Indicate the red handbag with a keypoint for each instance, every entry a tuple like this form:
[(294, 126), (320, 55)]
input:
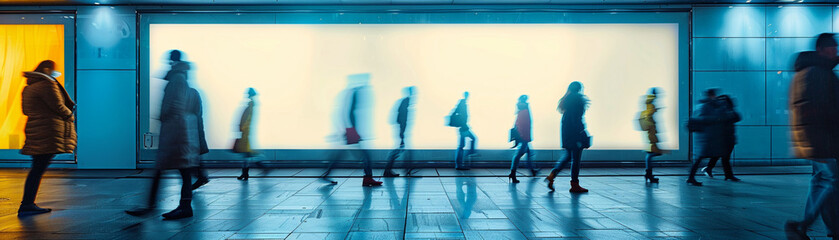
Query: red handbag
[(352, 136)]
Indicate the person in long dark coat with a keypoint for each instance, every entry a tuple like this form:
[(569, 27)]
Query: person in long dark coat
[(523, 138), (402, 112), (814, 115), (574, 136), (713, 118), (179, 144), (49, 128), (729, 138)]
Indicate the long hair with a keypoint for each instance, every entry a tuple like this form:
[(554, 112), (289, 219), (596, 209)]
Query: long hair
[(575, 88), (45, 64)]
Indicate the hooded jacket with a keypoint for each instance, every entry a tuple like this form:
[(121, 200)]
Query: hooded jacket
[(50, 127), (814, 107)]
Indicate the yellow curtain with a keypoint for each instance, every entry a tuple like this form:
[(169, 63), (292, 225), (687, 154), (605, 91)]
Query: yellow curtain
[(22, 47)]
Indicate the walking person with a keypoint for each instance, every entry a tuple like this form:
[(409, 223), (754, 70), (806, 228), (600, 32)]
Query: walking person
[(402, 122), (49, 128), (572, 106), (648, 124), (712, 118), (729, 139), (460, 119), (179, 144), (356, 93), (243, 144), (521, 135), (814, 113)]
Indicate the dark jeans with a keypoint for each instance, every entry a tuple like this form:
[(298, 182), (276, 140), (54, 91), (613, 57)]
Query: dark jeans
[(823, 195), (33, 180), (571, 155), (726, 164), (402, 128), (695, 166), (464, 133), (393, 155), (186, 187), (360, 153), (524, 148)]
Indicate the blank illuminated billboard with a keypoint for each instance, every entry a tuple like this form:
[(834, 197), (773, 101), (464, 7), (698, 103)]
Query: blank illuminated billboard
[(301, 71)]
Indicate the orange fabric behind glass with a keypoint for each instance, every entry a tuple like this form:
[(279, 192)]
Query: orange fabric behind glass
[(22, 47)]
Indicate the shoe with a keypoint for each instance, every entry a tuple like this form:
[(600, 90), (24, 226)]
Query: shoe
[(708, 172), (550, 180), (732, 178), (650, 177), (534, 172), (178, 213), (370, 182), (244, 176), (694, 182), (199, 183), (575, 188), (140, 211), (512, 177), (389, 173), (31, 209), (794, 232), (462, 168), (330, 181)]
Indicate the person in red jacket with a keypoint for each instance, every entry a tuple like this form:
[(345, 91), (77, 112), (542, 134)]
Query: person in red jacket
[(521, 135)]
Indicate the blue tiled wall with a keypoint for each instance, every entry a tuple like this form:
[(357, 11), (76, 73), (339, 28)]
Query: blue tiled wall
[(748, 52)]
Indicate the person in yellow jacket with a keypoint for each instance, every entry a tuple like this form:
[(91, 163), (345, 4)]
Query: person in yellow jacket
[(243, 144), (648, 124)]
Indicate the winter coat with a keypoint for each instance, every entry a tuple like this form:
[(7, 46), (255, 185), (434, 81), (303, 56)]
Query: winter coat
[(245, 128), (648, 124), (712, 115), (202, 139), (572, 129), (179, 143), (814, 107), (523, 122), (50, 127)]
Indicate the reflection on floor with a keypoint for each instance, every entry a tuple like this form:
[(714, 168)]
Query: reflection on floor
[(89, 205)]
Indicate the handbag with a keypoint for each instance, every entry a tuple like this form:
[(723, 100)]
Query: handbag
[(514, 135), (586, 141), (352, 136)]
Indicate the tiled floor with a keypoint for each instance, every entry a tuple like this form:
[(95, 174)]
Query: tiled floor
[(443, 204)]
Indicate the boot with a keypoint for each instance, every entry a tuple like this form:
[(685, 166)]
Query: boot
[(139, 211), (650, 177), (184, 210), (178, 213), (692, 181), (245, 175), (390, 173), (575, 187), (370, 182), (550, 180), (31, 209), (732, 178), (512, 177)]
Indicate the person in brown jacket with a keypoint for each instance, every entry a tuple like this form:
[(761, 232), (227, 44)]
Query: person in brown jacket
[(814, 115), (49, 128)]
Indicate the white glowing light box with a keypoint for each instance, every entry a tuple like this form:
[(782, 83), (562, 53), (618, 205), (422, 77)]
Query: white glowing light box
[(301, 70)]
